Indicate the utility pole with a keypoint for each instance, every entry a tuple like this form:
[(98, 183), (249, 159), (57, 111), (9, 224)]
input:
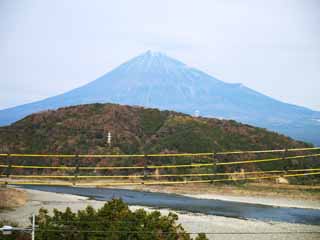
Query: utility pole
[(33, 226)]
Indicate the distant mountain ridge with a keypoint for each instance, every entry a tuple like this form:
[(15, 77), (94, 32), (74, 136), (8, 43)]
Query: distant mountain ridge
[(156, 80)]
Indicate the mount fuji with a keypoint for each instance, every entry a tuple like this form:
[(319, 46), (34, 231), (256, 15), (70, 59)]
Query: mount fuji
[(153, 79)]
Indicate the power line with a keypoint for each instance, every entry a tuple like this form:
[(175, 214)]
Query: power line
[(151, 155), (150, 232), (160, 175), (77, 168), (156, 182), (192, 165)]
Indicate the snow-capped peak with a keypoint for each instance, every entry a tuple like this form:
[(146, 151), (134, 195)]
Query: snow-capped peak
[(155, 53)]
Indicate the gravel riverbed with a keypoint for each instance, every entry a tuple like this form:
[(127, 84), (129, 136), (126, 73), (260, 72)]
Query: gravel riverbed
[(221, 226)]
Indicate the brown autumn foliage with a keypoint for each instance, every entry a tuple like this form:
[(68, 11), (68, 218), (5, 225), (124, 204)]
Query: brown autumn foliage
[(84, 129)]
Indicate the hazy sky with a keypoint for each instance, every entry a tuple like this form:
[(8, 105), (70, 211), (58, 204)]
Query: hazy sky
[(49, 47)]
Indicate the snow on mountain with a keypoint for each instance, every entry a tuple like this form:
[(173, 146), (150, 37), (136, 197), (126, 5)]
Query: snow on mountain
[(154, 79)]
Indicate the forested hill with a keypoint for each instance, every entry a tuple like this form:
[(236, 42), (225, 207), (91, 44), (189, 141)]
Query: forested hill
[(84, 129)]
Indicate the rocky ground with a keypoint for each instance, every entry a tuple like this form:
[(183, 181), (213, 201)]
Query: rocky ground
[(218, 227)]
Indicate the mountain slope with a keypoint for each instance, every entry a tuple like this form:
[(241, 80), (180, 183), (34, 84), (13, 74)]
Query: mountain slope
[(84, 130), (156, 80)]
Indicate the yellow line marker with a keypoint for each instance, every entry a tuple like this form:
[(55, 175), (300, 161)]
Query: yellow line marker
[(162, 166), (155, 182), (162, 175), (149, 155)]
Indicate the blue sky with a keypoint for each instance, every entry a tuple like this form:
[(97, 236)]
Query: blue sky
[(49, 47)]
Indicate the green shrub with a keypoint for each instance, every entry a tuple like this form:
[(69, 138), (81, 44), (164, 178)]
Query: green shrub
[(113, 221)]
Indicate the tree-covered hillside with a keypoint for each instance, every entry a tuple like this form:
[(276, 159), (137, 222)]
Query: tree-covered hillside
[(84, 129)]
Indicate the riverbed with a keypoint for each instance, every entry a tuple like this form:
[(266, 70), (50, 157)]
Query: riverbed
[(177, 202), (220, 227)]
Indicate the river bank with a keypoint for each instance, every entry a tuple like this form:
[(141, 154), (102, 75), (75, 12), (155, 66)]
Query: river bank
[(267, 194), (191, 222)]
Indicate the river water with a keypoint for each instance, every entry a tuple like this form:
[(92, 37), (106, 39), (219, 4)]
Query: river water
[(195, 205)]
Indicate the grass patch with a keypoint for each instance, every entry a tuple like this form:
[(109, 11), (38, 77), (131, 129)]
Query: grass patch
[(12, 198)]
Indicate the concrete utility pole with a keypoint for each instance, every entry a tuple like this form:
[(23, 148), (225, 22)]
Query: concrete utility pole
[(33, 226)]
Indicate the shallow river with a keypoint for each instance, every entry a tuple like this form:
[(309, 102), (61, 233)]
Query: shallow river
[(189, 204)]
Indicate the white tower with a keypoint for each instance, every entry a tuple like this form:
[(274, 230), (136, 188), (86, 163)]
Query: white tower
[(109, 138)]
